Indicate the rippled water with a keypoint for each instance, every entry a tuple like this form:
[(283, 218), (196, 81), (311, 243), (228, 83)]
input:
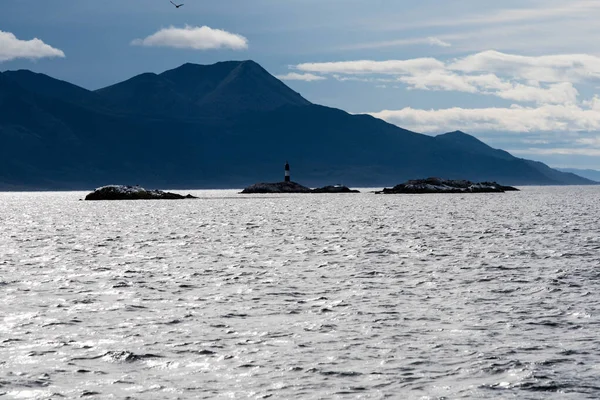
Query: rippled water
[(301, 296)]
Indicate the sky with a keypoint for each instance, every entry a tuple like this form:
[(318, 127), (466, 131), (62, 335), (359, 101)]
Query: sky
[(521, 75)]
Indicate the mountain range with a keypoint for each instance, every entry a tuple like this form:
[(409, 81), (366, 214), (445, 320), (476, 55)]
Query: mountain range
[(229, 124), (591, 174)]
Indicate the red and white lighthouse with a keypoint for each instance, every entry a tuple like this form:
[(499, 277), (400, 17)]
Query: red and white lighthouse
[(287, 172)]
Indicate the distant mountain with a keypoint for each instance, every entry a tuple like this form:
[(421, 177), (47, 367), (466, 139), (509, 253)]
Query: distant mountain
[(586, 173), (477, 147), (230, 124)]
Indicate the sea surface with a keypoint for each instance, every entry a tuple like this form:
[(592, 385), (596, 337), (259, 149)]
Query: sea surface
[(354, 296)]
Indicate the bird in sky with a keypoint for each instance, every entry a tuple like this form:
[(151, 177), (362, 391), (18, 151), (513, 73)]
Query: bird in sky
[(176, 5)]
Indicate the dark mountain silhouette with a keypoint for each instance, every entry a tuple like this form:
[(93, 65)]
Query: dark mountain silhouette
[(586, 173), (470, 144), (147, 95), (230, 124), (202, 91), (46, 86), (458, 139), (233, 86)]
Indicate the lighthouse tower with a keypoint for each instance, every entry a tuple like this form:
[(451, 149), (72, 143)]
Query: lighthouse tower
[(287, 172)]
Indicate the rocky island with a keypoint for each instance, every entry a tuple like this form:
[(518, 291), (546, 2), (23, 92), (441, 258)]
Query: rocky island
[(278, 187), (287, 186), (122, 192), (437, 185), (335, 189), (293, 187)]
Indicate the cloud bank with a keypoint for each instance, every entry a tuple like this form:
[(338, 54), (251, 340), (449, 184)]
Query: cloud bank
[(545, 84), (546, 118), (196, 38), (12, 48), (572, 68), (553, 68)]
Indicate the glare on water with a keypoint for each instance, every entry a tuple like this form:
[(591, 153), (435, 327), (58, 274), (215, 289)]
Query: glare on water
[(301, 296)]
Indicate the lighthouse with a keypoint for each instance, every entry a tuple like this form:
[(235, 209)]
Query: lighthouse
[(287, 172)]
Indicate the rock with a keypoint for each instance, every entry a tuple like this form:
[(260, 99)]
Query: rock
[(279, 187), (335, 189), (507, 188), (122, 192), (437, 185)]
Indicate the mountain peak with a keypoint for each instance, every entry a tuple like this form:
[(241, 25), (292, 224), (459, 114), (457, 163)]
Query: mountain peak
[(53, 88), (466, 141), (251, 64), (252, 88), (223, 66), (459, 136), (455, 134), (29, 79), (197, 91)]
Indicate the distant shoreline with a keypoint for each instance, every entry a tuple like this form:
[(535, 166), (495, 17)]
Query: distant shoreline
[(366, 188)]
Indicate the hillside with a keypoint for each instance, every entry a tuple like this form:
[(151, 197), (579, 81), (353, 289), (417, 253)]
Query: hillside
[(591, 174), (224, 125)]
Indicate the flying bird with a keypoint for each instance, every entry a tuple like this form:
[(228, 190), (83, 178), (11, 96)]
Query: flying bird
[(176, 5)]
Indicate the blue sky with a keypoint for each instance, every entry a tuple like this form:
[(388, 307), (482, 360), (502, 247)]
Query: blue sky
[(520, 75)]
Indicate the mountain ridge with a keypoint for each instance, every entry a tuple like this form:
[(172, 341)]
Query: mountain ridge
[(191, 90), (228, 124), (587, 173)]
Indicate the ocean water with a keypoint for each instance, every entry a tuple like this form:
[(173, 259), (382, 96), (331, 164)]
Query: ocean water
[(301, 296)]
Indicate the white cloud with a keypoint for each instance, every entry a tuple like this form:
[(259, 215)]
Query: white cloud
[(197, 38), (438, 80), (553, 68), (545, 87), (558, 93), (432, 41), (346, 78), (12, 48), (589, 141), (541, 80), (594, 103), (490, 84), (545, 118), (565, 151), (523, 79), (438, 42), (294, 76), (550, 69), (391, 67)]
